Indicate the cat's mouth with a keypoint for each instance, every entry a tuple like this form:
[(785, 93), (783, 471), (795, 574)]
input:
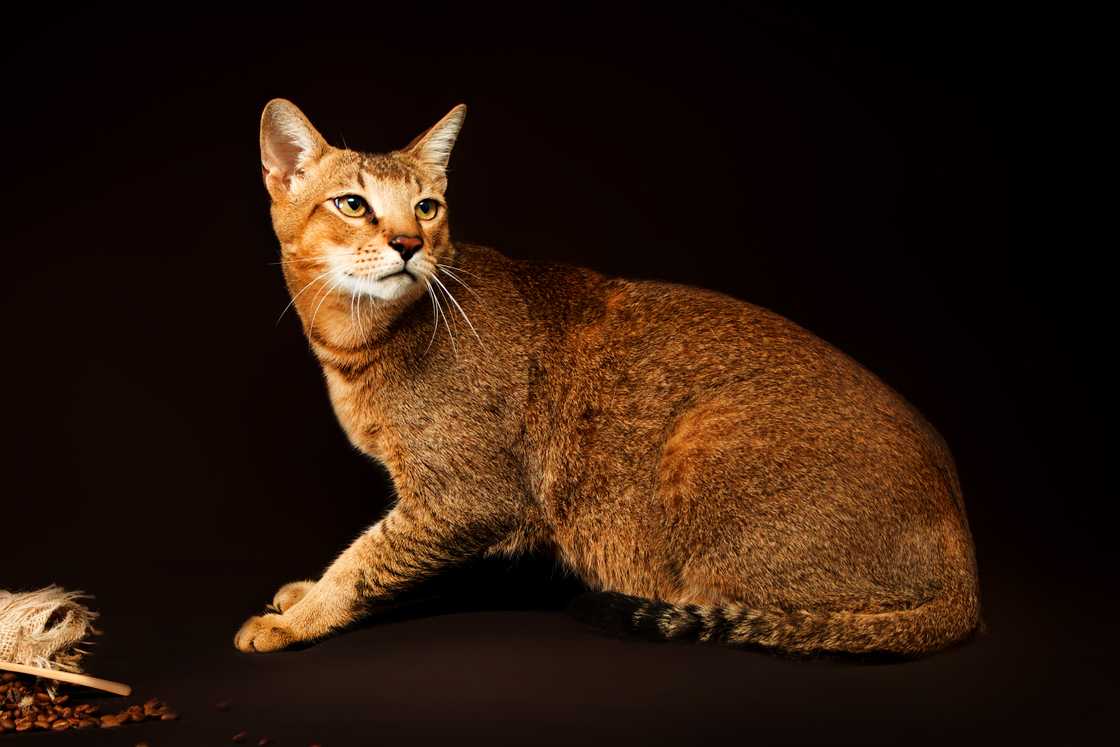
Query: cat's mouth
[(388, 286), (398, 272), (383, 277)]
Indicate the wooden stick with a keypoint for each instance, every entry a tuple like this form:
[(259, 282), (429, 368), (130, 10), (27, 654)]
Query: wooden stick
[(118, 688)]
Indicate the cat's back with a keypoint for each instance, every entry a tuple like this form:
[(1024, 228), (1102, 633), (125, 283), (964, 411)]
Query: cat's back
[(678, 342), (658, 345), (790, 378)]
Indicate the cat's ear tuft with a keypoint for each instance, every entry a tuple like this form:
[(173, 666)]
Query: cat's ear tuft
[(289, 145), (433, 147)]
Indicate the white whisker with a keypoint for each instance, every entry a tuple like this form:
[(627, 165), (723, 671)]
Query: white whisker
[(454, 277), (446, 316), (435, 315), (301, 290), (330, 288), (460, 308), (459, 269), (354, 319), (362, 326)]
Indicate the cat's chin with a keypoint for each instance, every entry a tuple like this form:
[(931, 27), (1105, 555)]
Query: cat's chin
[(384, 288)]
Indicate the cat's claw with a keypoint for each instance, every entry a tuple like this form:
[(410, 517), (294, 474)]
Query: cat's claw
[(264, 633)]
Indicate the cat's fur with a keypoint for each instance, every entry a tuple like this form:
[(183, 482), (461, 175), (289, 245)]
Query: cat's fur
[(717, 471)]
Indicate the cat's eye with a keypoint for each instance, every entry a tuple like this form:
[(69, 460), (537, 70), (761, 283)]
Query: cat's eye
[(351, 206), (427, 209)]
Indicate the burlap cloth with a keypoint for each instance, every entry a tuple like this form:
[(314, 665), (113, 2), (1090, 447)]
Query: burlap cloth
[(44, 628)]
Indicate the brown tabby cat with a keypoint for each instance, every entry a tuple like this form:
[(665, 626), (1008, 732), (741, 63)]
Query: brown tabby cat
[(712, 469)]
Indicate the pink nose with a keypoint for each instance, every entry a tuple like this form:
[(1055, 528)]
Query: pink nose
[(406, 245)]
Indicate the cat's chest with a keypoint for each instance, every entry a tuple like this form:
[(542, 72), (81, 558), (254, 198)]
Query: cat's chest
[(380, 419)]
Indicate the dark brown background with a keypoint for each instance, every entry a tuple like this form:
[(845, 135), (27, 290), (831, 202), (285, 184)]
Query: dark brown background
[(868, 174)]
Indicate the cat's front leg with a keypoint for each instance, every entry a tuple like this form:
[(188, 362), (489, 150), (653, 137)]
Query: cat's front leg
[(410, 544), (288, 594)]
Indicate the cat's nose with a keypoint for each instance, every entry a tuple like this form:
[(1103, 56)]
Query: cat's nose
[(406, 245)]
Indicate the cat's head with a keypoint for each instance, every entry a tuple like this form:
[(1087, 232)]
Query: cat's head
[(357, 224)]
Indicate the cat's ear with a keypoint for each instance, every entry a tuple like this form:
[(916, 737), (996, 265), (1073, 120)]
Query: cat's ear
[(433, 148), (289, 145)]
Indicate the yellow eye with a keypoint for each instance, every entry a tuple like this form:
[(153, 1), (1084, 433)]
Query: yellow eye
[(351, 206), (427, 209)]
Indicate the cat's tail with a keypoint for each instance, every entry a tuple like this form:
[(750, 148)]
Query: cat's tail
[(926, 627)]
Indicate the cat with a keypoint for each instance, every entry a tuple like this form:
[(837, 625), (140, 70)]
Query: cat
[(711, 470)]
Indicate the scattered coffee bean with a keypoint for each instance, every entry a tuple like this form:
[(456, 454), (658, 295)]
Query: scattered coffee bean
[(223, 705), (26, 704), (240, 736), (264, 742)]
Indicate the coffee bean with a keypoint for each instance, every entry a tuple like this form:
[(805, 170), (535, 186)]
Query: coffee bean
[(240, 736), (264, 742), (26, 706), (223, 705)]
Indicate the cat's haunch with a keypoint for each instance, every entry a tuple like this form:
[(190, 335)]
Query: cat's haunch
[(719, 472)]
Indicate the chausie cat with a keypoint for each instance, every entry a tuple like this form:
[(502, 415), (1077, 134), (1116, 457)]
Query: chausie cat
[(710, 469)]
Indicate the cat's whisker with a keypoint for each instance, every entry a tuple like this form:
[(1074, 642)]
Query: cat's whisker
[(435, 315), (298, 261), (297, 295), (460, 308), (446, 316), (454, 322), (459, 269), (454, 277), (357, 312), (353, 319), (330, 289), (361, 320), (372, 306), (307, 261)]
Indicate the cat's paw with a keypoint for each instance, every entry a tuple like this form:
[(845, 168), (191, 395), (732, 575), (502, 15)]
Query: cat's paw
[(288, 594), (264, 633)]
